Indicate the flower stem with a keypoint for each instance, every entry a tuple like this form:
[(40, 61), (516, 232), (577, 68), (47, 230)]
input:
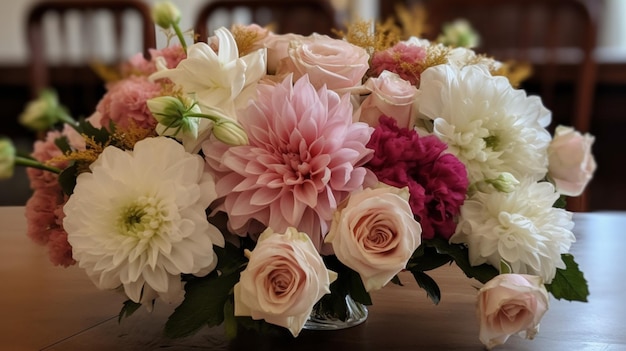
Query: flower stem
[(29, 162), (180, 36)]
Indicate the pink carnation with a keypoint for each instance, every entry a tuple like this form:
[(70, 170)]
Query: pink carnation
[(437, 182), (403, 59), (44, 209), (125, 100), (138, 65), (304, 157)]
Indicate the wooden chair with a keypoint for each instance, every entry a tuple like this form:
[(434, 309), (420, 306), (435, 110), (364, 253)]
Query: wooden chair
[(557, 38), (78, 32), (286, 16)]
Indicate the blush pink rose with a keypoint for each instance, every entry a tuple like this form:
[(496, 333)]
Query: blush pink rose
[(571, 163), (331, 62), (375, 234), (278, 48), (510, 304), (284, 279), (390, 96)]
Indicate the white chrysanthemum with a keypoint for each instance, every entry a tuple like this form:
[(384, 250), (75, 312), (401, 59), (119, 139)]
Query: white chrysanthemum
[(491, 127), (138, 219), (520, 227)]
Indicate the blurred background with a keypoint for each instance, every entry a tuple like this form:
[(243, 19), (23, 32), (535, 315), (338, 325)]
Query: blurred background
[(607, 113)]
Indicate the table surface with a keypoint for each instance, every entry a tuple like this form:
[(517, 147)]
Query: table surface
[(44, 307)]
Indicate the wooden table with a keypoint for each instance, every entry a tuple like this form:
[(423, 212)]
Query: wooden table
[(51, 308)]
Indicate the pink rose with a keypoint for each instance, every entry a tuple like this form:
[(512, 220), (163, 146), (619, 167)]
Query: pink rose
[(278, 48), (375, 234), (510, 304), (571, 164), (391, 96), (331, 62), (284, 278)]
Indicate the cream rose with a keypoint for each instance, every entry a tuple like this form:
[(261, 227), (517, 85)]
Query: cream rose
[(331, 62), (571, 163), (285, 277), (374, 233), (510, 304), (391, 96)]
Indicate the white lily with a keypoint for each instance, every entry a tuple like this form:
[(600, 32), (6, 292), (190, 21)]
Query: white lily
[(220, 79)]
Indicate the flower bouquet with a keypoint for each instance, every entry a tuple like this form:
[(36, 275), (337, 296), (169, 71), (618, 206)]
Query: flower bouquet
[(269, 181)]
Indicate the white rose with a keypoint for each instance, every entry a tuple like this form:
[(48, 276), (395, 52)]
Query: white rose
[(571, 163), (374, 233), (510, 304), (285, 277)]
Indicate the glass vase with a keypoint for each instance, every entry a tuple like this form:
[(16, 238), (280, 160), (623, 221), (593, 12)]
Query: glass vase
[(326, 319)]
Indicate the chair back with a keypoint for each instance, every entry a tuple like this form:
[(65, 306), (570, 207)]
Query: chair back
[(285, 16), (65, 36)]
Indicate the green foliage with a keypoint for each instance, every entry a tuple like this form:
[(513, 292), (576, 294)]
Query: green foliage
[(460, 255), (429, 285), (128, 309), (569, 283), (206, 298), (67, 178)]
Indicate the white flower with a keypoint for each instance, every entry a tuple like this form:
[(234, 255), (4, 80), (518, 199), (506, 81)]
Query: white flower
[(491, 127), (520, 227), (219, 80), (138, 219)]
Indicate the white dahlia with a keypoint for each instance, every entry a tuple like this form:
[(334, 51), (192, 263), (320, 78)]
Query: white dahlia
[(520, 227), (138, 219), (490, 126)]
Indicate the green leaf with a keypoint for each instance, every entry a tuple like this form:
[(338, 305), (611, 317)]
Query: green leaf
[(67, 178), (230, 323), (459, 253), (396, 280), (505, 267), (99, 135), (63, 144), (561, 202), (426, 258), (203, 305), (429, 285), (230, 259), (569, 283), (128, 309)]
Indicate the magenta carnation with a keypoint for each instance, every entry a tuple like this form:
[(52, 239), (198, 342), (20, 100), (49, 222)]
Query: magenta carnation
[(125, 100), (304, 157), (437, 181), (403, 59)]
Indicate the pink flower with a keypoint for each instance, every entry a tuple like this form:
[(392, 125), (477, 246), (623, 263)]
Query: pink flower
[(125, 100), (374, 233), (305, 156), (404, 59), (138, 65), (437, 181), (391, 96), (44, 209), (571, 163), (510, 304), (327, 61)]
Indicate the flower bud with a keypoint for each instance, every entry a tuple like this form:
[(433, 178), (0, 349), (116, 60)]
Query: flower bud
[(7, 158), (459, 34), (165, 14), (171, 113), (229, 132), (505, 182), (42, 113)]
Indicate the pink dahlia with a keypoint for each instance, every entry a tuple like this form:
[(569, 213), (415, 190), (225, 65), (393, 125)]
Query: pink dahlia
[(125, 100), (404, 59), (304, 157), (437, 181)]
